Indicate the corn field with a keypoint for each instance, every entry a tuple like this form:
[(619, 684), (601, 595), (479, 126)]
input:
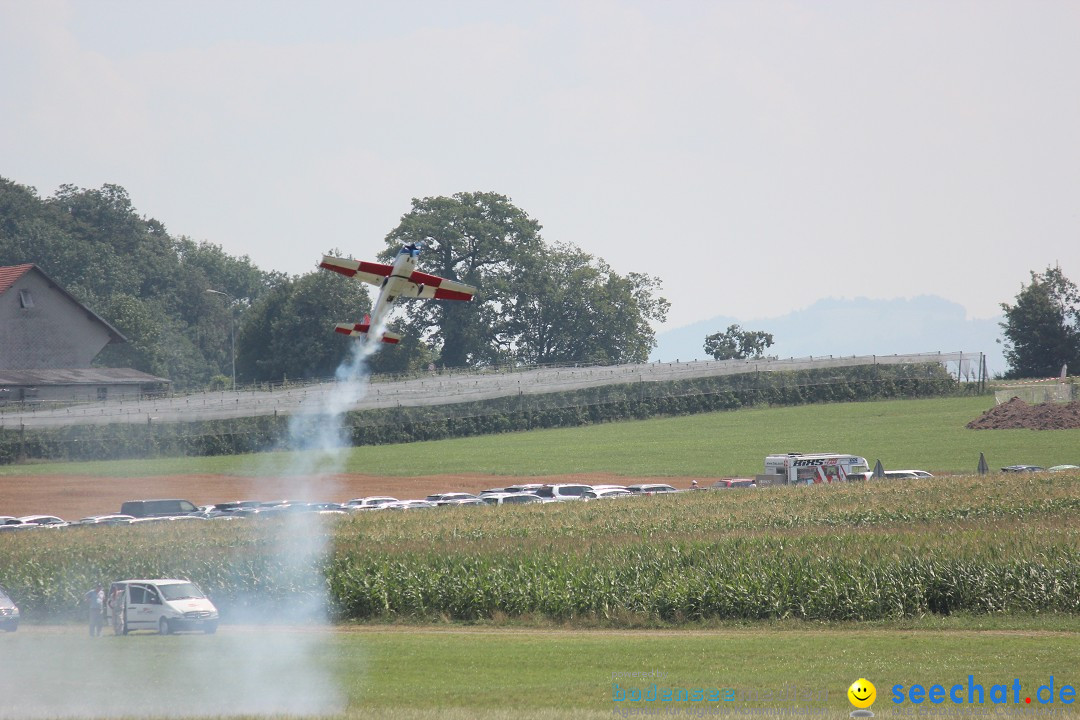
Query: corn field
[(848, 552)]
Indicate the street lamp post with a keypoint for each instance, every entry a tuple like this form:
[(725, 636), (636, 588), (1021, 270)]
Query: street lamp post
[(232, 331)]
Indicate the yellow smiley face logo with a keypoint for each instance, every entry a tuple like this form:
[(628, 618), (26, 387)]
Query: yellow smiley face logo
[(862, 693)]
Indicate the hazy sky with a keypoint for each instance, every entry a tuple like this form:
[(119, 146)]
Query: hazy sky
[(755, 155)]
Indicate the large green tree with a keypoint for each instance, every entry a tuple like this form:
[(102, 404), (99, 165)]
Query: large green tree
[(534, 303), (479, 239), (571, 307), (738, 344), (289, 333), (1042, 330)]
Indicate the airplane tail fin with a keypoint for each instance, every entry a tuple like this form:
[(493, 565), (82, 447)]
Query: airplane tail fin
[(358, 329)]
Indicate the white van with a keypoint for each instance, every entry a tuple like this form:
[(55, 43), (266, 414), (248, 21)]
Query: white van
[(163, 605)]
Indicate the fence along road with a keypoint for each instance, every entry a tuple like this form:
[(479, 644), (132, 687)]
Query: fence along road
[(443, 389)]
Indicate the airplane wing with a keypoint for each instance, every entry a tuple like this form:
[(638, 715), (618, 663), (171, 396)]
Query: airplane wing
[(369, 272), (433, 286)]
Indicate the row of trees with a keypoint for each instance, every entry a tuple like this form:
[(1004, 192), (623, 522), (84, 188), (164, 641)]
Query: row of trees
[(537, 302)]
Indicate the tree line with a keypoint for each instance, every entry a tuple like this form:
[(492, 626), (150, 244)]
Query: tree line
[(538, 302), (611, 403)]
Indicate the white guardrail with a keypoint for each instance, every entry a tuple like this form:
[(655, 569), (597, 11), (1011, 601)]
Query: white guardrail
[(437, 389)]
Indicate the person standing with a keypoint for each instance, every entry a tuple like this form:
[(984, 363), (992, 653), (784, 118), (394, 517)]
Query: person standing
[(95, 601)]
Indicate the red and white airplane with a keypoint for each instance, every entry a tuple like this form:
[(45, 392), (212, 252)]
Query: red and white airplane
[(401, 279)]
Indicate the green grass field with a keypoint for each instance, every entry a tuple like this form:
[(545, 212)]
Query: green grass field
[(409, 672), (872, 549), (928, 434)]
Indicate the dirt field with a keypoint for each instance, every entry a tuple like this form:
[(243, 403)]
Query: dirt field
[(74, 497)]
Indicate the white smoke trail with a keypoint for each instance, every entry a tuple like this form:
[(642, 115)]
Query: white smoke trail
[(270, 671)]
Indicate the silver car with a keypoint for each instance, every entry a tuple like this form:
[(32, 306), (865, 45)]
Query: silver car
[(9, 612)]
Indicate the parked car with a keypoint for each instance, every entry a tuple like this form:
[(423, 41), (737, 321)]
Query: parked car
[(524, 487), (734, 484), (1060, 468), (9, 612), (650, 488), (105, 520), (13, 524), (1021, 468), (900, 475), (916, 473), (157, 508), (370, 503), (449, 497), (166, 605), (561, 492), (606, 493), (458, 502), (44, 520), (410, 505), (508, 498)]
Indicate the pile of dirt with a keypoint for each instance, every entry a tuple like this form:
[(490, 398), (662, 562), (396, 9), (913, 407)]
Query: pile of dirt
[(1016, 414)]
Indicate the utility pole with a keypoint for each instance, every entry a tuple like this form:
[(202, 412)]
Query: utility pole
[(232, 331)]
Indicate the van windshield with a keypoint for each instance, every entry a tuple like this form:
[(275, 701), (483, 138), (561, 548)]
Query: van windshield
[(181, 591)]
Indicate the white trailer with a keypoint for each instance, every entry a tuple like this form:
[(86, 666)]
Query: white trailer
[(810, 469)]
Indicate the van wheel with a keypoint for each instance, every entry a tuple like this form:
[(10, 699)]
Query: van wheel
[(163, 627), (211, 628)]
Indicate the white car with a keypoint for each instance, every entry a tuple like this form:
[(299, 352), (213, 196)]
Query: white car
[(508, 498), (105, 520), (650, 488), (370, 503), (450, 498), (524, 487), (605, 493), (44, 520), (410, 505), (165, 605), (9, 612), (562, 492)]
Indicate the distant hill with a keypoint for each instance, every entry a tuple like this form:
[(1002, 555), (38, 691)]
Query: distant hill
[(853, 327)]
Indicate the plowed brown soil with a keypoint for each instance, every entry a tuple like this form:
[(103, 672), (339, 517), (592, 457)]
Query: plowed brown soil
[(72, 496), (1017, 414)]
